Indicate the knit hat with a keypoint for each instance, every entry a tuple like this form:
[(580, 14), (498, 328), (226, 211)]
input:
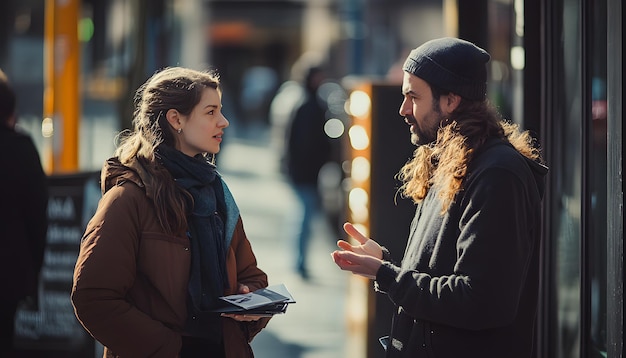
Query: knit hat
[(452, 64)]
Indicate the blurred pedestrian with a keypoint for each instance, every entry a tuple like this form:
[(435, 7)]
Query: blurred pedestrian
[(167, 239), (23, 216), (468, 283), (307, 149)]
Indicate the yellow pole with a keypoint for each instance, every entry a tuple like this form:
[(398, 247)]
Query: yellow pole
[(48, 93), (61, 93)]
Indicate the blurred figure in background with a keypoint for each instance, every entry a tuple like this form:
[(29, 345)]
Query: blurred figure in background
[(307, 148), (23, 216)]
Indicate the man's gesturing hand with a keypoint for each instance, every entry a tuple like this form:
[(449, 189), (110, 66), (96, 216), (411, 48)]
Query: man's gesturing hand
[(363, 259), (366, 245)]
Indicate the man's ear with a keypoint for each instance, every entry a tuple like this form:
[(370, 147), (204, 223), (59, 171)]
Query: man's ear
[(173, 118), (450, 102)]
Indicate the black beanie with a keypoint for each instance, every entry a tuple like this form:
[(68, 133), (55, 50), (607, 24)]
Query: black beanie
[(451, 64)]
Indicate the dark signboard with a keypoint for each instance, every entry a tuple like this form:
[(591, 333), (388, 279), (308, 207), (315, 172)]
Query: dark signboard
[(48, 328)]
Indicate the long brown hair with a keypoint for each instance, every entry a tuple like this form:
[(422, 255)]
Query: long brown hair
[(444, 163), (171, 88)]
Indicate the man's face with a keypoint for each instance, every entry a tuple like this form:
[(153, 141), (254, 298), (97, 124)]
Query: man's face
[(420, 110)]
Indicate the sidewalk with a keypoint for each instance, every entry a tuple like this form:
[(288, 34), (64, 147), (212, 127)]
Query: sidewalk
[(315, 326)]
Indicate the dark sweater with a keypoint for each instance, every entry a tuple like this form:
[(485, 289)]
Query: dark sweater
[(468, 282)]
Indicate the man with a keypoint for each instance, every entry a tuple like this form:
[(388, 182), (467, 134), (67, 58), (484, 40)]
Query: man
[(23, 220), (467, 285), (307, 149)]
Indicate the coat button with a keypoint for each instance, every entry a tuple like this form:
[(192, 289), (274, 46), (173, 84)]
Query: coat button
[(186, 249)]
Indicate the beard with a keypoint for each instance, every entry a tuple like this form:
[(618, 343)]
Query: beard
[(425, 136)]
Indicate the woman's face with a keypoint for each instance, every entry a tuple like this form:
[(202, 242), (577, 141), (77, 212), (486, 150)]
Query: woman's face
[(202, 129)]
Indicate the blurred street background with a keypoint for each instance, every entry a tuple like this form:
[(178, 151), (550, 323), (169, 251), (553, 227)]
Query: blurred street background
[(315, 326), (76, 64)]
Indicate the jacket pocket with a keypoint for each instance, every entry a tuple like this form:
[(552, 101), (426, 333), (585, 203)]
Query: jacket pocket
[(160, 287)]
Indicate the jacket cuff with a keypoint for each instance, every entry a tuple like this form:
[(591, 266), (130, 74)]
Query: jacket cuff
[(385, 277), (386, 254)]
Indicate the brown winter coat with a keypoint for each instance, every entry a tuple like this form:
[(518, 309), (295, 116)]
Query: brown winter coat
[(130, 279)]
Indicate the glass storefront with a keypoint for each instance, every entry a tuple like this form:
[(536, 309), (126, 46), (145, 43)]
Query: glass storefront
[(571, 76), (577, 152), (597, 182), (566, 164)]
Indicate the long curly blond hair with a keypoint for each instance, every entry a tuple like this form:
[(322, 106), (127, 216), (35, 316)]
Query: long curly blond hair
[(444, 163)]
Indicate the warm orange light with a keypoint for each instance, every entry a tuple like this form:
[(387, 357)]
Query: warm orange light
[(230, 32)]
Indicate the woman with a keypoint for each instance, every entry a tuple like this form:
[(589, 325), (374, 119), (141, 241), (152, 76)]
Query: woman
[(167, 240)]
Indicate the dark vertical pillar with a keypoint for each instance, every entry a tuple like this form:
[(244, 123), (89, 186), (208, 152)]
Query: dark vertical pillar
[(136, 72), (390, 215), (615, 185), (7, 20), (473, 21), (532, 70)]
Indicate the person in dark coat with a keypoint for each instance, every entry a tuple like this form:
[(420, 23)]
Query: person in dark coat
[(23, 216), (307, 149), (468, 283)]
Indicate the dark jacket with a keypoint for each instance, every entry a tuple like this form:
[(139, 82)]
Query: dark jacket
[(131, 278), (308, 147), (468, 282), (23, 215)]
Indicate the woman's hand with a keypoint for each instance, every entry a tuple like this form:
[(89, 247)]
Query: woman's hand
[(242, 317), (242, 289)]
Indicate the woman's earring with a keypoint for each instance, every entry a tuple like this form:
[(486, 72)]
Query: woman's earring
[(179, 130)]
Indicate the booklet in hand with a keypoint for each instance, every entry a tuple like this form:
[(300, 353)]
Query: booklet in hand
[(267, 301)]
